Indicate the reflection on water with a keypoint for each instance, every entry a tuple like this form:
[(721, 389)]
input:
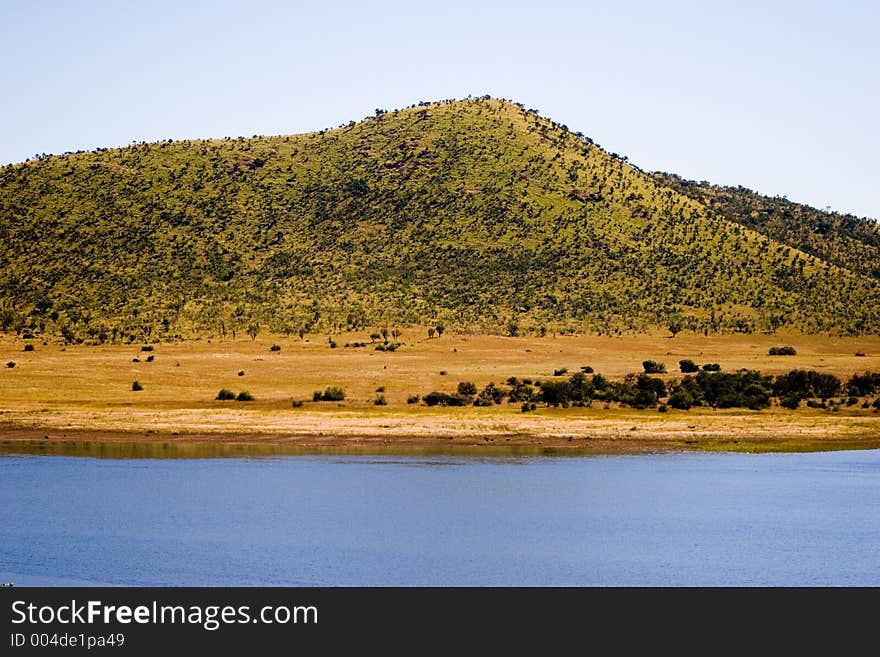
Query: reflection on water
[(674, 519), (181, 449)]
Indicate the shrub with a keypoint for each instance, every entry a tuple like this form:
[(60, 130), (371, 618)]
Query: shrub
[(860, 385), (147, 347), (527, 407), (711, 367), (10, 364), (225, 395), (792, 402), (29, 347), (442, 372), (653, 367), (435, 398), (681, 399), (562, 371), (244, 396), (489, 395), (520, 392), (275, 347), (852, 401), (151, 358), (136, 386), (782, 351), (331, 393), (466, 388), (556, 393), (860, 354), (135, 360), (241, 373), (296, 403), (662, 408), (332, 344), (806, 383), (412, 399), (380, 389), (380, 401), (688, 366), (586, 369), (876, 403)]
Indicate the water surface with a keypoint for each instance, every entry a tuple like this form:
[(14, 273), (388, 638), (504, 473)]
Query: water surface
[(671, 519)]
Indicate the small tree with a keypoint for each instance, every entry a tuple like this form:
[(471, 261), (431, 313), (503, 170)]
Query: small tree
[(440, 328), (431, 332), (253, 330)]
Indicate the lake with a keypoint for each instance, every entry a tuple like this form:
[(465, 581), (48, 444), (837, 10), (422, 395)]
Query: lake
[(667, 519)]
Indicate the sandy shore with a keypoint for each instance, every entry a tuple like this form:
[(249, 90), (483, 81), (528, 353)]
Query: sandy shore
[(572, 430)]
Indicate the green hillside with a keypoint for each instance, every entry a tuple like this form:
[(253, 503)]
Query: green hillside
[(478, 213), (841, 239)]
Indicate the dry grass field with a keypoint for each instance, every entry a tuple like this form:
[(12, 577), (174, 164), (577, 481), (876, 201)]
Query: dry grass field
[(57, 393)]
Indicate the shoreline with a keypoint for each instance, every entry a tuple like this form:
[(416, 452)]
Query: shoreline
[(648, 439)]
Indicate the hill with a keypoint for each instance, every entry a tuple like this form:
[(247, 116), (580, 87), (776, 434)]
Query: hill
[(841, 239), (476, 213)]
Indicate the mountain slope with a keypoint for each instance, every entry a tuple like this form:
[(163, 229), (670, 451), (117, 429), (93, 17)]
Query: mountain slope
[(477, 213), (844, 240)]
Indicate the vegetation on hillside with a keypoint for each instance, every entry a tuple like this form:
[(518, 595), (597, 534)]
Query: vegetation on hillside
[(841, 239), (478, 214)]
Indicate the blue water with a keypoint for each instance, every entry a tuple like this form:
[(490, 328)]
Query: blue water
[(673, 519)]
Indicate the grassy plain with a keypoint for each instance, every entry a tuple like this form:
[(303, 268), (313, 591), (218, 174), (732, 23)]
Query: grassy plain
[(59, 393)]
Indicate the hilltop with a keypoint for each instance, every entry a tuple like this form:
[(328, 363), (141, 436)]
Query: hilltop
[(479, 214)]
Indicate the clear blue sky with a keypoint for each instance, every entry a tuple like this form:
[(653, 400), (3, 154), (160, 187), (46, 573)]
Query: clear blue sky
[(782, 97)]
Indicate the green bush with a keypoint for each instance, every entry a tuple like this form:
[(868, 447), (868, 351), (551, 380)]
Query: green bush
[(412, 399), (782, 351), (681, 399), (244, 396), (688, 366), (380, 401), (435, 398), (331, 393), (467, 389), (225, 395), (10, 364), (29, 347), (136, 386), (792, 402), (653, 367), (711, 367)]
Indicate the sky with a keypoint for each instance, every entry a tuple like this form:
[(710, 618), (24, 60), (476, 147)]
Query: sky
[(781, 97)]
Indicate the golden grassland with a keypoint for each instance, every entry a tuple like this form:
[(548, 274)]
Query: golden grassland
[(58, 393)]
